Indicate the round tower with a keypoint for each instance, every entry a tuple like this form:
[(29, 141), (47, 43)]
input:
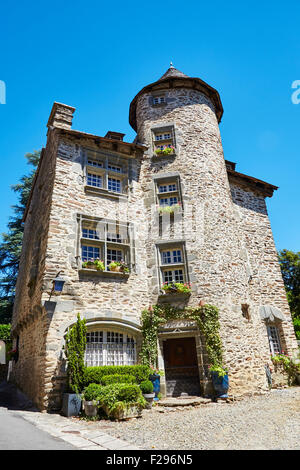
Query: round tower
[(177, 118)]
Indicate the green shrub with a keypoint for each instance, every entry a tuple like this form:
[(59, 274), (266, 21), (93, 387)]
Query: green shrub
[(118, 378), (95, 374), (118, 396), (5, 332), (74, 350), (146, 386), (91, 392)]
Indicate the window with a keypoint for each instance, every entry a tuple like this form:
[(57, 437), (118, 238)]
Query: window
[(107, 173), (171, 256), (168, 201), (274, 339), (90, 253), (105, 240), (172, 263), (158, 100), (94, 180), (173, 275), (164, 137), (109, 348), (168, 191), (114, 185), (167, 188)]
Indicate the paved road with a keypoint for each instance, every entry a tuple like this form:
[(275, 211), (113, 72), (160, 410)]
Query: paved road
[(18, 434)]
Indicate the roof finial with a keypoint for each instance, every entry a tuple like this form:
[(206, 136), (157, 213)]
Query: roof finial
[(171, 65)]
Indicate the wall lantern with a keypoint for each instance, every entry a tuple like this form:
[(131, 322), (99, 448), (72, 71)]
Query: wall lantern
[(58, 284)]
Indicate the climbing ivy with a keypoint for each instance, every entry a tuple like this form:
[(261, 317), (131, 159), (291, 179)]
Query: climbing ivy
[(206, 317)]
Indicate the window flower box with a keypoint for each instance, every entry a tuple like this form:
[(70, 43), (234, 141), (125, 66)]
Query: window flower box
[(176, 288), (169, 209), (166, 150)]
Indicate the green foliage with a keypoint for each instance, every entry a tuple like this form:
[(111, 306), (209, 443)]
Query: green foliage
[(11, 245), (290, 269), (206, 317), (221, 371), (5, 332), (91, 392), (74, 350), (146, 386), (290, 365), (96, 264), (118, 378), (179, 287), (95, 374), (120, 396)]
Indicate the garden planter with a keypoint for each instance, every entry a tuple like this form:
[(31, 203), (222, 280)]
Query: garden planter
[(149, 397), (71, 405), (220, 384), (132, 411), (90, 408), (155, 379)]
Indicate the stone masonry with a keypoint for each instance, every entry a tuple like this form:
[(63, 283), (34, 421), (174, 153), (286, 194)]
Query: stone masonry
[(222, 230)]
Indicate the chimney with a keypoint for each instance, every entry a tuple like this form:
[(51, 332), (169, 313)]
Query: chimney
[(114, 135), (61, 116)]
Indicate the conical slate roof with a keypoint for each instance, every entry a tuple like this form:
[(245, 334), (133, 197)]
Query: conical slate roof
[(172, 72), (173, 78)]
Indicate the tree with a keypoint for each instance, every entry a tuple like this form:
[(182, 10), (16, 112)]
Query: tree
[(74, 350), (11, 245), (290, 268)]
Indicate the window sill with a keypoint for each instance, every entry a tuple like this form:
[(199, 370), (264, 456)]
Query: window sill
[(96, 272), (163, 156), (104, 192)]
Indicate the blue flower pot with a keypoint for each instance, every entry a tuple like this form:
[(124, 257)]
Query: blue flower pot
[(220, 384), (155, 379)]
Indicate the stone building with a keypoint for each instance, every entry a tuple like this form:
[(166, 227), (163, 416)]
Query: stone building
[(169, 208)]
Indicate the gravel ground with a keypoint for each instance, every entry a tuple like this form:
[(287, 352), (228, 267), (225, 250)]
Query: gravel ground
[(270, 421)]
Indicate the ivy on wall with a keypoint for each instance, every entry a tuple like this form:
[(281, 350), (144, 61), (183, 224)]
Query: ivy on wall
[(206, 317)]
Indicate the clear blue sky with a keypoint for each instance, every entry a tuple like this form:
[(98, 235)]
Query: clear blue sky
[(96, 56)]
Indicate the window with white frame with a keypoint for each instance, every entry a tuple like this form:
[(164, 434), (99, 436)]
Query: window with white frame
[(158, 100), (172, 264), (110, 348), (106, 172), (274, 339), (164, 137), (106, 241), (168, 191)]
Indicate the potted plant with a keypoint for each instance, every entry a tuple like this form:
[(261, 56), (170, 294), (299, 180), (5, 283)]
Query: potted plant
[(147, 389), (74, 351), (154, 377), (94, 264), (220, 380), (90, 399), (118, 266)]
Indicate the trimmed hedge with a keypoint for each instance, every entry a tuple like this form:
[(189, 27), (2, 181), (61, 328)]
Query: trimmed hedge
[(118, 379), (96, 374), (118, 396)]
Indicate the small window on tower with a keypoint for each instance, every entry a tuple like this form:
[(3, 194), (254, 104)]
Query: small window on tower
[(158, 100)]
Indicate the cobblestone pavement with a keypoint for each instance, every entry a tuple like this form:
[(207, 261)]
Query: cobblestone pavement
[(270, 421)]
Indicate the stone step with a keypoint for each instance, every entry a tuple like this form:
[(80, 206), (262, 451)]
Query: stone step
[(183, 401)]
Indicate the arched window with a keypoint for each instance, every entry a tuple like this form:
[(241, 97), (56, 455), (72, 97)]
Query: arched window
[(110, 348)]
